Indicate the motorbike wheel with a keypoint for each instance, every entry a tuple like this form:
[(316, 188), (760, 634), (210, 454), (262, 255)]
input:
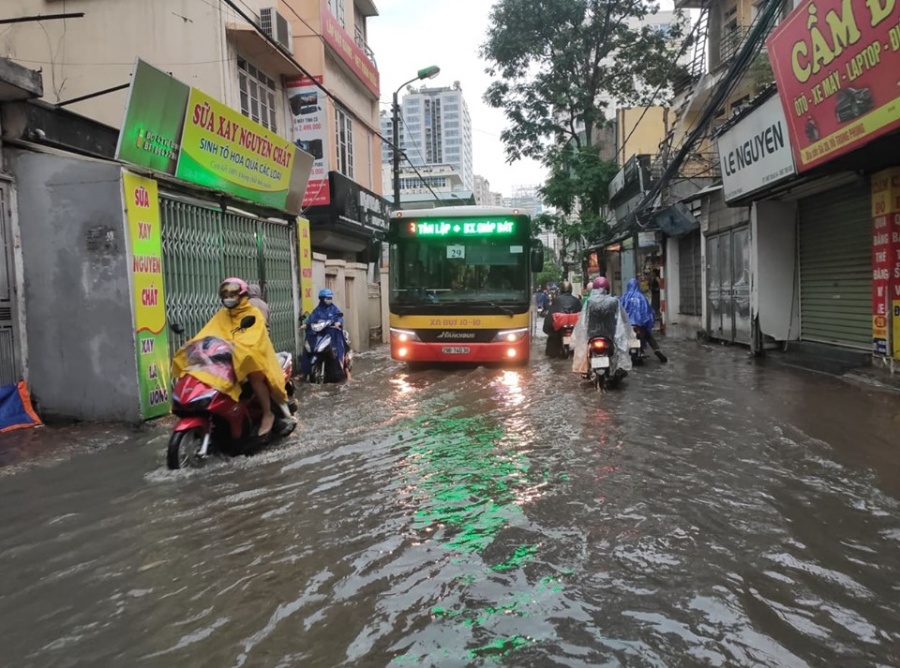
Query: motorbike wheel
[(184, 446), (320, 373)]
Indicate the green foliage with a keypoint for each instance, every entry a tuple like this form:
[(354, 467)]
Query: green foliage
[(560, 66), (551, 272)]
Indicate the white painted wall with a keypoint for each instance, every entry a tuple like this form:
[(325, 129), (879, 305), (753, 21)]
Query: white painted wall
[(774, 296), (678, 326)]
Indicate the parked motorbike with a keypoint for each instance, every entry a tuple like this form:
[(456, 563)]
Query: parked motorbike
[(600, 354), (212, 422), (324, 365), (565, 324)]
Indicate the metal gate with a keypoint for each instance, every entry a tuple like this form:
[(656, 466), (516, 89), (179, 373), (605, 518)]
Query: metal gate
[(836, 267), (201, 245), (728, 285), (9, 368)]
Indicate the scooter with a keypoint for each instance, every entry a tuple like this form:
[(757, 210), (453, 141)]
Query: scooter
[(600, 352), (324, 367), (565, 324), (212, 422), (636, 346)]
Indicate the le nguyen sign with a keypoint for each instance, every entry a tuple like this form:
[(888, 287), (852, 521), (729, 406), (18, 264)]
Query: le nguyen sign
[(755, 153), (836, 64), (172, 128)]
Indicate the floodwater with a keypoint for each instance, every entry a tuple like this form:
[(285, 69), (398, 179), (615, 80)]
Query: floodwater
[(713, 512)]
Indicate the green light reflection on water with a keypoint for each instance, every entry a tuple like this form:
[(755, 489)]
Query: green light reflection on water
[(468, 478)]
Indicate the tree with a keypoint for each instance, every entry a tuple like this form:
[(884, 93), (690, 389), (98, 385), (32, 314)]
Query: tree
[(559, 66), (551, 272)]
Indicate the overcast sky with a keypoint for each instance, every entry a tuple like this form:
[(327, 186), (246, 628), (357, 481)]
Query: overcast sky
[(412, 34)]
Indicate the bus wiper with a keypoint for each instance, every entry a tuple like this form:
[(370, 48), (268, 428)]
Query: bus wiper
[(502, 309)]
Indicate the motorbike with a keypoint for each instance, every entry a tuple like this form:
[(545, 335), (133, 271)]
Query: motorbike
[(636, 346), (565, 324), (600, 353), (324, 367), (210, 421)]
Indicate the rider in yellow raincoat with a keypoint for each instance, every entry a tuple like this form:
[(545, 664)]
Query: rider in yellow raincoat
[(253, 356)]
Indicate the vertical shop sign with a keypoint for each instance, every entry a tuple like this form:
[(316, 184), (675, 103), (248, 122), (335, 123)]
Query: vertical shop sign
[(307, 303), (310, 127), (886, 262), (151, 339)]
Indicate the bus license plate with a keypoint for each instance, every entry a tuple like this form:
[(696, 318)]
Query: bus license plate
[(455, 350), (567, 340), (599, 362)]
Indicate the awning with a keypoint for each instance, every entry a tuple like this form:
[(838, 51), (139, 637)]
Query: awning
[(676, 220), (255, 47)]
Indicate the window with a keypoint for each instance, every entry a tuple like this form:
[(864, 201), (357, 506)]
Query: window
[(343, 139), (257, 95), (336, 7)]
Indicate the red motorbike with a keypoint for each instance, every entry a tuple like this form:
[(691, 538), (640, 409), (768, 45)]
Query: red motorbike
[(564, 323), (210, 421)]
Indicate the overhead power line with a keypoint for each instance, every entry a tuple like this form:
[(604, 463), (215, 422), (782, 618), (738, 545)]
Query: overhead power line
[(751, 47)]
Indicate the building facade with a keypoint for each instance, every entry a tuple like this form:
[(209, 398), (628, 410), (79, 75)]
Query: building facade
[(299, 68), (435, 129)]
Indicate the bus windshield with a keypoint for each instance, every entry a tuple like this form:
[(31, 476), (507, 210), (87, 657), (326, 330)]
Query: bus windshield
[(458, 271)]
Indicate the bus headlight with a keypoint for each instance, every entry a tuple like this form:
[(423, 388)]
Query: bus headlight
[(404, 335), (511, 335)]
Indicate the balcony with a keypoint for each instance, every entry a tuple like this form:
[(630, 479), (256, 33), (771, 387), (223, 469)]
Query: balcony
[(361, 43), (729, 45)]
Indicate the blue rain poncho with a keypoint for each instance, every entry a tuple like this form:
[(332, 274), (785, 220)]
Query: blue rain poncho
[(637, 307), (602, 315)]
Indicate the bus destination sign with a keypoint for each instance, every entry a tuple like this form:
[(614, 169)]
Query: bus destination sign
[(462, 228)]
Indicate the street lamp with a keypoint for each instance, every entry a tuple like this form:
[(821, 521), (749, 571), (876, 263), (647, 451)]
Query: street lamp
[(426, 73)]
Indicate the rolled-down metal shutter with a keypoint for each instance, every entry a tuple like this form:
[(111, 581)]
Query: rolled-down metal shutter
[(836, 267)]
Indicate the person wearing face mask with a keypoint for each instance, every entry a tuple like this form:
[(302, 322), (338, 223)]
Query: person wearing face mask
[(327, 310), (253, 355)]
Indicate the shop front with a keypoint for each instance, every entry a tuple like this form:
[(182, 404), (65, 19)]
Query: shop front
[(208, 194), (844, 135)]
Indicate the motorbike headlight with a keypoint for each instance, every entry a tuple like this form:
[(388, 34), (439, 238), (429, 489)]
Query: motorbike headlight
[(318, 326), (511, 335), (404, 335)]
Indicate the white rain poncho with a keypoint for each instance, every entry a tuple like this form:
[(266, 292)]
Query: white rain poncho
[(602, 315)]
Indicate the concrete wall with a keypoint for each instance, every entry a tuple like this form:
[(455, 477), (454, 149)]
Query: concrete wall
[(81, 343), (644, 128), (774, 297), (89, 54), (349, 282)]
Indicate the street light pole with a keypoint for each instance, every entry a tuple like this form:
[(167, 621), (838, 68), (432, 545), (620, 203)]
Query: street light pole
[(426, 73)]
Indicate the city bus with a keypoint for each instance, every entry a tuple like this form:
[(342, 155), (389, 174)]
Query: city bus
[(460, 284)]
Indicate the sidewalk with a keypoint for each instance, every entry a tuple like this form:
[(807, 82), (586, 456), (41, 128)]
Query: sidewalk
[(44, 445)]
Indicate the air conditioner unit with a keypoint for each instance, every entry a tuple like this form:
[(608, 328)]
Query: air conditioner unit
[(276, 26)]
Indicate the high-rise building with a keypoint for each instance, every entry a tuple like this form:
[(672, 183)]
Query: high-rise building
[(483, 194), (435, 129)]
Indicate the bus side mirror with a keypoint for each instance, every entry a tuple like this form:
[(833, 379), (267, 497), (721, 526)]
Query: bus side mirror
[(537, 256)]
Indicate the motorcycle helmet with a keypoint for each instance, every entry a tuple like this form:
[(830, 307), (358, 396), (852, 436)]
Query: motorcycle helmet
[(325, 293), (231, 290), (601, 283)]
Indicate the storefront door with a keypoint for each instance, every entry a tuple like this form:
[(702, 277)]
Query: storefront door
[(202, 245), (728, 285)]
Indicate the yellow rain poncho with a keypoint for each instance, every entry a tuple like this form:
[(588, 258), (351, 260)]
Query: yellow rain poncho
[(251, 350)]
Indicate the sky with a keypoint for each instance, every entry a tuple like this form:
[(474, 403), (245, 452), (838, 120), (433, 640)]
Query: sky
[(411, 34)]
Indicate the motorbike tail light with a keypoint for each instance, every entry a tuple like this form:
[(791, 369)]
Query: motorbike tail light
[(599, 344)]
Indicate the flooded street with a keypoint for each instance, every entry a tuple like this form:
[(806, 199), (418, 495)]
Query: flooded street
[(713, 512)]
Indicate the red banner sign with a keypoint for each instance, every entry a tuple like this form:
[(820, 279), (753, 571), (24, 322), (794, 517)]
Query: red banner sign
[(886, 262), (345, 46), (836, 64)]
